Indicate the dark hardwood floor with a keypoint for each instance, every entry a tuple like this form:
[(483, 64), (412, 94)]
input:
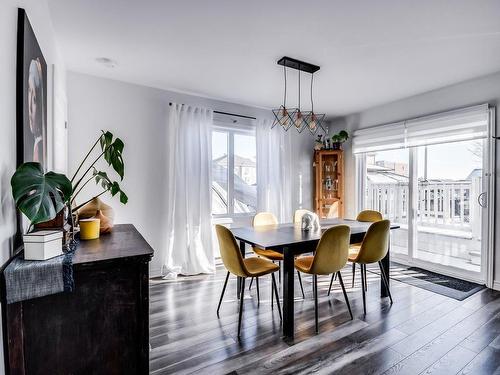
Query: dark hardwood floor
[(421, 333)]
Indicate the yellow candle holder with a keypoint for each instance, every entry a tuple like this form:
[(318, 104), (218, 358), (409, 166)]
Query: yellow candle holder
[(89, 228)]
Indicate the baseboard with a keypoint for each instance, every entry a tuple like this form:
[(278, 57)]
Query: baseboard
[(496, 285)]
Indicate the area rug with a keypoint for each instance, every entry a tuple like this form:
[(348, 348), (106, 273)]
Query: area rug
[(434, 282)]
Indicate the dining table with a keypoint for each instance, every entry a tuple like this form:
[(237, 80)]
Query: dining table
[(291, 240)]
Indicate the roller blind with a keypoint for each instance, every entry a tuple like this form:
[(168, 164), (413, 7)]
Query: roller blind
[(458, 125), (452, 126), (383, 137)]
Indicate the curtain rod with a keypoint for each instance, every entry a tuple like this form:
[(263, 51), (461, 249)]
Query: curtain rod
[(228, 114)]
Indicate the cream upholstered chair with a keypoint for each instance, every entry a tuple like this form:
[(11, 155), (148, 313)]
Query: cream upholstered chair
[(367, 216), (330, 256), (241, 267), (372, 250), (297, 216), (262, 219)]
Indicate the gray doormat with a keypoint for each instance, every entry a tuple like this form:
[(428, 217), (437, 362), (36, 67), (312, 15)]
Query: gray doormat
[(434, 282)]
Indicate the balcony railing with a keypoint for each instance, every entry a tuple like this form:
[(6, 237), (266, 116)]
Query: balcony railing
[(446, 206)]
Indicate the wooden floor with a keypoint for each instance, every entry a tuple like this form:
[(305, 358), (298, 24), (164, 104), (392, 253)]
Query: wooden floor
[(421, 333)]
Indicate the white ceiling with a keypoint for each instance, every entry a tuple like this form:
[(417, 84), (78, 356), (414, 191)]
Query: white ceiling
[(370, 52)]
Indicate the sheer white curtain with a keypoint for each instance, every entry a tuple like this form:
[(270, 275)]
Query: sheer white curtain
[(188, 203), (274, 171)]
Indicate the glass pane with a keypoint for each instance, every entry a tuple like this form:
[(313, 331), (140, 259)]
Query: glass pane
[(387, 175), (245, 174), (219, 172), (448, 213)]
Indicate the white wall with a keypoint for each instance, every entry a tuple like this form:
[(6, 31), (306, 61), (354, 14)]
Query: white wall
[(38, 14), (482, 90), (138, 115)]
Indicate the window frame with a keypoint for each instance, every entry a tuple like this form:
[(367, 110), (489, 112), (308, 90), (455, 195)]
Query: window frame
[(232, 130)]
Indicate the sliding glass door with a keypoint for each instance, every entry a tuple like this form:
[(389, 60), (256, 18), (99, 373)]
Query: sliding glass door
[(431, 176), (449, 196)]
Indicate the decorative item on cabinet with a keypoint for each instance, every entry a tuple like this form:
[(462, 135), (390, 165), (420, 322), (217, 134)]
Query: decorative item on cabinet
[(338, 139), (89, 228), (329, 183), (99, 210)]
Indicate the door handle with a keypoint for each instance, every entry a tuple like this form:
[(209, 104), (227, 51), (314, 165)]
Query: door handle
[(481, 199)]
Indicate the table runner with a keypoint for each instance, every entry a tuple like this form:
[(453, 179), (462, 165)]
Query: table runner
[(27, 279)]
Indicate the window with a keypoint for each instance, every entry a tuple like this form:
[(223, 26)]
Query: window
[(386, 191), (234, 171)]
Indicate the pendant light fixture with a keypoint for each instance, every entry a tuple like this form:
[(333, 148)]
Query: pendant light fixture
[(314, 121), (298, 116), (286, 117), (283, 115)]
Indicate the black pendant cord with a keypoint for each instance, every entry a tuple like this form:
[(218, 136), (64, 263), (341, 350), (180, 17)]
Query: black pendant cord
[(299, 90), (312, 103), (284, 95)]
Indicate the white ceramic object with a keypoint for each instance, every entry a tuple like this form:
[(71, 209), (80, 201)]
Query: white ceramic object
[(43, 245), (310, 221)]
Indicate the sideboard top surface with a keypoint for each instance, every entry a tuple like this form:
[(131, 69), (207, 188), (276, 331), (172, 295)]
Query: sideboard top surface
[(124, 241)]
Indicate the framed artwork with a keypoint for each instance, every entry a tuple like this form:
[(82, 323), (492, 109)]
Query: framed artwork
[(31, 95), (31, 106)]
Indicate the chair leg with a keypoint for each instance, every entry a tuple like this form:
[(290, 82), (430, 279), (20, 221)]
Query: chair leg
[(384, 278), (366, 279), (279, 272), (258, 291), (331, 282), (251, 282), (353, 274), (222, 294), (345, 294), (301, 287), (315, 286), (277, 297), (272, 297), (242, 297), (363, 288)]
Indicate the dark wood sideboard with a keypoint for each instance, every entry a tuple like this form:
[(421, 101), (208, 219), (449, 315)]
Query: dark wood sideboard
[(102, 327)]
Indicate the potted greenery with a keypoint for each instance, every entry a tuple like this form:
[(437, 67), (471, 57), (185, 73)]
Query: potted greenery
[(48, 199), (338, 139)]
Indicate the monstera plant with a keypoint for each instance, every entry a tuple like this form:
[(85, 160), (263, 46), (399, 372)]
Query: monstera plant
[(111, 150), (42, 196)]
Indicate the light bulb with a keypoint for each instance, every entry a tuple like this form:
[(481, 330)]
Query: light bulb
[(312, 124), (298, 120), (283, 117)]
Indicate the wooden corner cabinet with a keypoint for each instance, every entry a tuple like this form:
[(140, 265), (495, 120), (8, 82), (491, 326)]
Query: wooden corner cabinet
[(329, 183)]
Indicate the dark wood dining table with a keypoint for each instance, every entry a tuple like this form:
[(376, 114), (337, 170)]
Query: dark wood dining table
[(291, 240)]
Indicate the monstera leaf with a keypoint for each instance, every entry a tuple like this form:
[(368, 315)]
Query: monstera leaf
[(106, 183), (39, 196), (113, 150)]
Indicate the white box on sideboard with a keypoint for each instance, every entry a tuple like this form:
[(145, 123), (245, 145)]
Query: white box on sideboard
[(43, 245)]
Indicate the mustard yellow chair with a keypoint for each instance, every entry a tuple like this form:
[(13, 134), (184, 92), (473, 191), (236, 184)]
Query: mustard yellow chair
[(372, 250), (330, 256), (367, 216), (262, 219), (241, 267)]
